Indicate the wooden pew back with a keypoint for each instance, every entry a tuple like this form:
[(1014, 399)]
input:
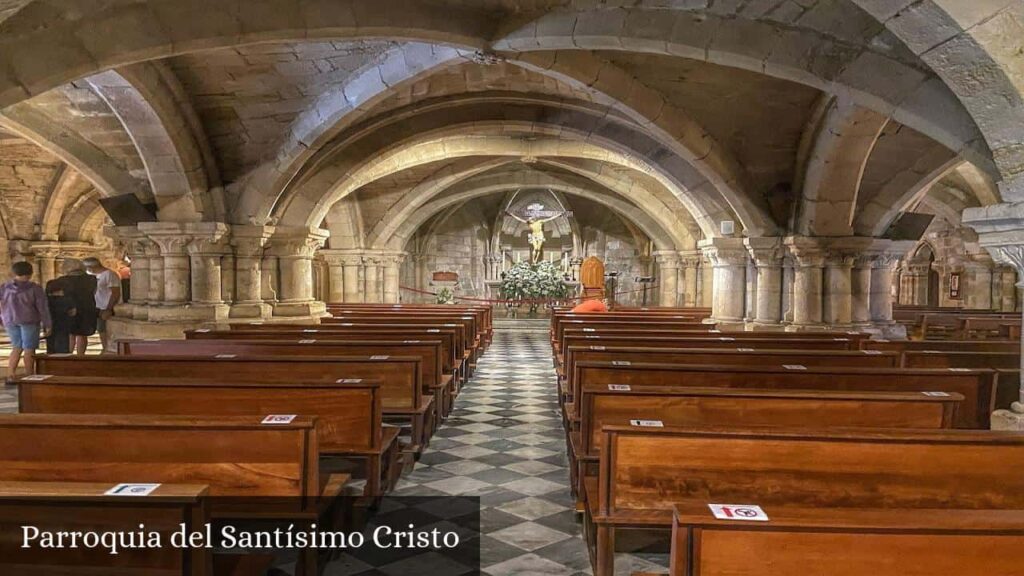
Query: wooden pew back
[(977, 386)]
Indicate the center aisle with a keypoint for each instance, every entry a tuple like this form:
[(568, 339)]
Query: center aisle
[(504, 443)]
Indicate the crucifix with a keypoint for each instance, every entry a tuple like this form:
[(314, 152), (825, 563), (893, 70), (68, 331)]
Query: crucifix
[(536, 218)]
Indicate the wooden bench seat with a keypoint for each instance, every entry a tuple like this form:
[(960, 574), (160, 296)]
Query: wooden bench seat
[(644, 472), (475, 333), (740, 356), (847, 542), (851, 340), (234, 455), (401, 389), (466, 347), (977, 386), (455, 357), (349, 415), (483, 313), (944, 346), (428, 351), (693, 407), (957, 359), (64, 506)]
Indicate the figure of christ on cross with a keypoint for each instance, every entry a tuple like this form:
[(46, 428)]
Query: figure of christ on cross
[(536, 224)]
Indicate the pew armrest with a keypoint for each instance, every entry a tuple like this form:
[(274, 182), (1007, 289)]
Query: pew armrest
[(334, 486)]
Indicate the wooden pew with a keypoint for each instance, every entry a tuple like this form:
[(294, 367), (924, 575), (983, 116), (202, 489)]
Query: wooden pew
[(644, 323), (977, 386), (455, 365), (847, 542), (75, 506), (477, 334), (483, 312), (234, 455), (449, 367), (711, 341), (853, 340), (692, 407), (349, 416), (986, 327), (464, 338), (644, 472), (943, 345), (401, 390), (741, 356), (939, 359), (429, 352)]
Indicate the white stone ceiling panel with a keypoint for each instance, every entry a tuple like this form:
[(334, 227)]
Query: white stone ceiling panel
[(27, 174)]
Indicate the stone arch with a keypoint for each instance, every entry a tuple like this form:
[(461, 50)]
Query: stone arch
[(869, 77), (450, 177), (406, 229), (702, 200), (149, 101)]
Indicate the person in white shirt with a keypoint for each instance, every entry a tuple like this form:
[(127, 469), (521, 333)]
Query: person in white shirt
[(108, 294)]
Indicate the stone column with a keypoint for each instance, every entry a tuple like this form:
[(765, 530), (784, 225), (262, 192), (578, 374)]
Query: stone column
[(860, 288), (371, 273), (729, 258), (177, 281), (249, 243), (707, 283), (881, 300), (766, 254), (45, 256), (350, 271), (840, 258), (809, 259), (392, 277), (140, 272), (205, 253), (668, 277), (156, 274), (788, 277), (1008, 290), (294, 249), (690, 263), (335, 275)]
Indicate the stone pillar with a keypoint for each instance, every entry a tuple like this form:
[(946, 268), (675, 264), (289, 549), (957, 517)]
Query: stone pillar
[(840, 258), (205, 255), (45, 256), (156, 274), (335, 276), (729, 258), (371, 274), (690, 263), (860, 289), (766, 254), (809, 259), (392, 277), (788, 278), (249, 243), (350, 271), (177, 282), (881, 300), (294, 249), (227, 276), (140, 272), (668, 277)]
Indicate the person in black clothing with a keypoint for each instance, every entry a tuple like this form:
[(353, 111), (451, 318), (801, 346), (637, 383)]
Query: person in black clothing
[(81, 288), (62, 309)]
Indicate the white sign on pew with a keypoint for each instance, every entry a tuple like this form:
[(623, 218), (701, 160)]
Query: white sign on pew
[(794, 367), (647, 423), (936, 394), (744, 512), (279, 419), (36, 377), (619, 387), (132, 490), (226, 356), (621, 363), (307, 341)]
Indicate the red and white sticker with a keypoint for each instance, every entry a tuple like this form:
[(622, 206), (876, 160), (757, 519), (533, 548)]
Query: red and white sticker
[(647, 423), (279, 419), (743, 512), (619, 387)]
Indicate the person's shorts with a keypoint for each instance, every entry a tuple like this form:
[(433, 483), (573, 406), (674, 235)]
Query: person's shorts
[(24, 336)]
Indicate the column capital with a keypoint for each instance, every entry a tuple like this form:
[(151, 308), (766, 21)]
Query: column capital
[(765, 251), (297, 242), (249, 241), (667, 258), (724, 251), (176, 238)]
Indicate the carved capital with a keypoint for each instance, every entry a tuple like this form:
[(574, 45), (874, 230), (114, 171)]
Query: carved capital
[(301, 243)]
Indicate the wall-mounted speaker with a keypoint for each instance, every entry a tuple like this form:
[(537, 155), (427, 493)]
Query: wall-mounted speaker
[(727, 227)]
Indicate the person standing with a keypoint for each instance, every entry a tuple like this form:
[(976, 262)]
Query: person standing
[(62, 312), (81, 287), (108, 295), (25, 314)]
